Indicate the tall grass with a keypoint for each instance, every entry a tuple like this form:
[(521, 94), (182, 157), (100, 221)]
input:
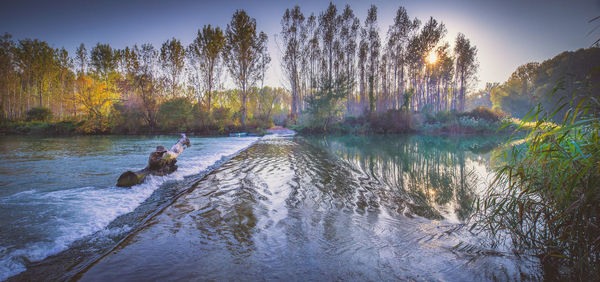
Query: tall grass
[(546, 193)]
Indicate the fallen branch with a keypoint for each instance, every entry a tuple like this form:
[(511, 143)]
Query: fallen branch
[(161, 162)]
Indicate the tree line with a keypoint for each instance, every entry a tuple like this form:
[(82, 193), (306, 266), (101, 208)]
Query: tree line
[(144, 83), (568, 77), (413, 68)]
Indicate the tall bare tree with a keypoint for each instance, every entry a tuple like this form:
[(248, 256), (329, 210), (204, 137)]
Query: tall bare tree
[(350, 26), (398, 37), (328, 32), (293, 41), (370, 34), (466, 66)]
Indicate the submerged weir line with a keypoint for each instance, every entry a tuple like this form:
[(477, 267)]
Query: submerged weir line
[(74, 274), (31, 267)]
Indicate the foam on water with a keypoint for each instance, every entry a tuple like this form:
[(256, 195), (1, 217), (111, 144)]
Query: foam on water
[(80, 212)]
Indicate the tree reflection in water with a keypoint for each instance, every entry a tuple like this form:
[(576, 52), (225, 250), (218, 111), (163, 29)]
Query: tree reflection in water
[(430, 176)]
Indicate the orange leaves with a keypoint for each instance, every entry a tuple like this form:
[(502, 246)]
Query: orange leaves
[(95, 96)]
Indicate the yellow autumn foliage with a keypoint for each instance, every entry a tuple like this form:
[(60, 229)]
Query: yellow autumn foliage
[(96, 98)]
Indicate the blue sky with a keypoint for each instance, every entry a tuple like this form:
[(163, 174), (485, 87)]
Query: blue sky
[(506, 33)]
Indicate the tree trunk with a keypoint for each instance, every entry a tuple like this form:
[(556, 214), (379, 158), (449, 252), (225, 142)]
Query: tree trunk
[(161, 162), (244, 106)]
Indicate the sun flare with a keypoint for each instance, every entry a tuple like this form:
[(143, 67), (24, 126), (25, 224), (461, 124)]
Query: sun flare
[(432, 57)]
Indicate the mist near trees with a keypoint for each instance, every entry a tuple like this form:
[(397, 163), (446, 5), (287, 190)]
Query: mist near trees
[(566, 78), (384, 70)]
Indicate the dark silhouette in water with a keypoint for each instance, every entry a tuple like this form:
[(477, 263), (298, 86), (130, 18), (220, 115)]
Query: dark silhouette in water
[(161, 162)]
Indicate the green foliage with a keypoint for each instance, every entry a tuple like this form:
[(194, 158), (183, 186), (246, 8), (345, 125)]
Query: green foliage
[(407, 99), (39, 114), (223, 119), (479, 120), (127, 119), (482, 113), (202, 120), (103, 59), (175, 114), (41, 128), (546, 194), (243, 53), (206, 50), (392, 121), (534, 83), (440, 117), (172, 56), (371, 95), (325, 106)]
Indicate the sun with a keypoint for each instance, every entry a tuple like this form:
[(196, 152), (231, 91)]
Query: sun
[(432, 57)]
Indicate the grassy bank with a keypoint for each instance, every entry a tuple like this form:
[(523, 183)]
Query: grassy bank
[(66, 128), (478, 121)]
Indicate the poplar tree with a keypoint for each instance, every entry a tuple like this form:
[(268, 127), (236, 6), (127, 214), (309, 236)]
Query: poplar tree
[(328, 32), (81, 58), (103, 59), (242, 54), (466, 66), (207, 49), (397, 45), (293, 41), (172, 58), (370, 34), (349, 27)]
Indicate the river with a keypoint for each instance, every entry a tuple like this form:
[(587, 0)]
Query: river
[(299, 208)]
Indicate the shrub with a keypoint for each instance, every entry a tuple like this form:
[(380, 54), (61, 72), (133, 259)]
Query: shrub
[(175, 114), (221, 114), (440, 117), (201, 121), (127, 119), (486, 114), (39, 114), (392, 121), (61, 128), (477, 124), (95, 125)]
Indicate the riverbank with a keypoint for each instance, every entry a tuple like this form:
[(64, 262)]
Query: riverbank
[(478, 121), (77, 128)]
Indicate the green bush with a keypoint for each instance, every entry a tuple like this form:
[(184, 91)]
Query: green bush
[(39, 114), (202, 120), (392, 121), (40, 128), (175, 115), (483, 113), (127, 119)]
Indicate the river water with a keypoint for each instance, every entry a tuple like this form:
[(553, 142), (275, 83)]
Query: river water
[(299, 208), (60, 192)]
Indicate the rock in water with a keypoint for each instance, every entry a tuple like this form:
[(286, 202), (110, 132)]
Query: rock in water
[(161, 162)]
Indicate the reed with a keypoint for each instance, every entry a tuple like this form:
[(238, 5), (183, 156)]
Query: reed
[(546, 193)]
